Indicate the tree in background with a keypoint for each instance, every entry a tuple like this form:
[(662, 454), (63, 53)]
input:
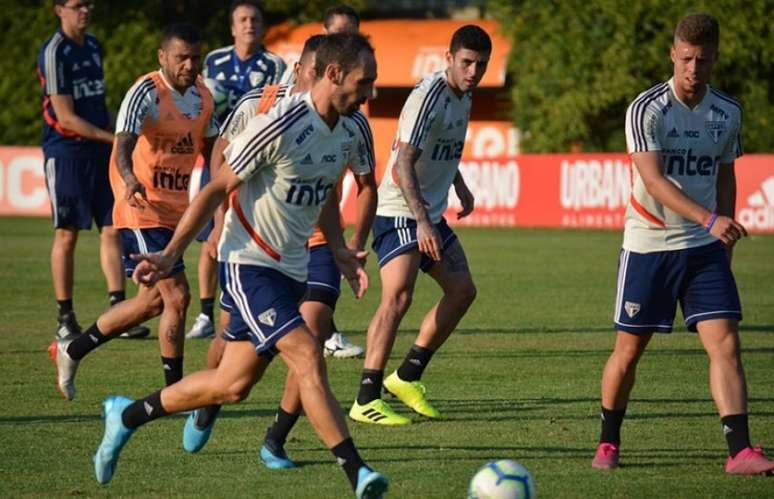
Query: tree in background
[(129, 33), (576, 64)]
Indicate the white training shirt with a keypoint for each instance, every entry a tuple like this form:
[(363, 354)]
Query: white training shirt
[(693, 144), (289, 161), (246, 109), (141, 103), (434, 120)]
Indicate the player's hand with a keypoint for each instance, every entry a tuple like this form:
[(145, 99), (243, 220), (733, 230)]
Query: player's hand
[(350, 264), (135, 194), (151, 267), (728, 230), (355, 245), (211, 249), (466, 198), (429, 240)]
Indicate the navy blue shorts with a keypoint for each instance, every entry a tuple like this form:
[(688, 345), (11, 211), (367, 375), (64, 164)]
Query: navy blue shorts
[(79, 191), (204, 179), (263, 303), (145, 241), (651, 284), (394, 236)]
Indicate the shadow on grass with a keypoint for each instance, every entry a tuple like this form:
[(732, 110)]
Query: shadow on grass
[(227, 413)]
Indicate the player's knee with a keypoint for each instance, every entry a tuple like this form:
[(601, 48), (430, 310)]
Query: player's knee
[(151, 303), (178, 298), (65, 240), (399, 302), (237, 391), (465, 294)]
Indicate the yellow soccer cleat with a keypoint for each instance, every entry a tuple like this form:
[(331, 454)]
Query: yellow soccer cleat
[(411, 393), (377, 411)]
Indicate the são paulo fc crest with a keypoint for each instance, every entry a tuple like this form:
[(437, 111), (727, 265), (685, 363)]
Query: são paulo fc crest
[(714, 129), (631, 308), (268, 317), (256, 78)]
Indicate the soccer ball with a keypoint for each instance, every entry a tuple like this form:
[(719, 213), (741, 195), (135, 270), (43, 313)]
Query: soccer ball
[(503, 479), (220, 95)]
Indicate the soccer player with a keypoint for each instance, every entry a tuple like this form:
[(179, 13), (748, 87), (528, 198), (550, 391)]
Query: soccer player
[(285, 166), (238, 68), (76, 147), (164, 123), (683, 137), (323, 279), (410, 232)]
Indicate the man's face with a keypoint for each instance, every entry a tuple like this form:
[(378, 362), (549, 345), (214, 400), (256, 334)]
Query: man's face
[(357, 86), (181, 62), (341, 23), (467, 67), (246, 25), (692, 65), (305, 73), (75, 13)]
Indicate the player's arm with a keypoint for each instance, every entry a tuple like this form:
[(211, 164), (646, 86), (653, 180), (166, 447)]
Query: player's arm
[(64, 108), (726, 195), (366, 209), (155, 266), (428, 238), (467, 200), (348, 260), (650, 168), (135, 191)]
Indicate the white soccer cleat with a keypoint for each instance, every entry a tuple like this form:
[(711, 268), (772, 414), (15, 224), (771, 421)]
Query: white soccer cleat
[(202, 328), (340, 347), (65, 367)]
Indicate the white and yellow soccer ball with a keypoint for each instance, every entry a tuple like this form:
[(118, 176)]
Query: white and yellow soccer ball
[(503, 479), (220, 95)]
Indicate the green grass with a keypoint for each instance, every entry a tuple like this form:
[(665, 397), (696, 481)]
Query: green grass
[(519, 379)]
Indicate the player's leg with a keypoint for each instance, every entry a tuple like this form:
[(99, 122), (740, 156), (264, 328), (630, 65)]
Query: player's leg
[(319, 302), (207, 271), (711, 307), (175, 295), (69, 215), (302, 353), (646, 301), (231, 382), (338, 346), (398, 276), (453, 276)]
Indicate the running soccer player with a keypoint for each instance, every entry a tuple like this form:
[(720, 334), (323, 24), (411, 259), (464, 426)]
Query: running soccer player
[(683, 137), (237, 68), (76, 147), (410, 232), (324, 278), (164, 124), (285, 166)]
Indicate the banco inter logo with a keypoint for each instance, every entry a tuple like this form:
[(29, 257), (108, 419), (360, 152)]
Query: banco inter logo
[(759, 212), (184, 145), (171, 180), (685, 163), (308, 193)]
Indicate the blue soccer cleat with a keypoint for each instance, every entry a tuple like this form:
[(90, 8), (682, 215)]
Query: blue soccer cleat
[(370, 484), (116, 436), (195, 433), (275, 458)]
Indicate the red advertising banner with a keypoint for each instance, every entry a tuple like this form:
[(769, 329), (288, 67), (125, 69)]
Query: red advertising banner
[(540, 190)]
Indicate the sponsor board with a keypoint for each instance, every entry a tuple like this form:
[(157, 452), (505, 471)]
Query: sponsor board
[(531, 190)]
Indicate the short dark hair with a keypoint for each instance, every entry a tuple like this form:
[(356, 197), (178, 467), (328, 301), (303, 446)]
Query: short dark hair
[(698, 29), (243, 3), (470, 37), (311, 45), (340, 10), (186, 32), (343, 49), (59, 2)]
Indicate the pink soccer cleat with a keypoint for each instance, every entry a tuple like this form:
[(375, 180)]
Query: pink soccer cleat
[(750, 461), (606, 457)]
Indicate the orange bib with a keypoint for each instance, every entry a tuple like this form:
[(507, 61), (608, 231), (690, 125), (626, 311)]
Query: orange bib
[(163, 160)]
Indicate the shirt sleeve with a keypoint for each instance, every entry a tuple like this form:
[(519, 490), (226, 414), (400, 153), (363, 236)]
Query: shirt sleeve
[(250, 151), (643, 127), (137, 104), (237, 120), (53, 67), (420, 113), (362, 160)]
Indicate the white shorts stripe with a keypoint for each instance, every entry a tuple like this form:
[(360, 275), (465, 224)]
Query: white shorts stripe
[(141, 245), (243, 304), (688, 319), (50, 168), (623, 262)]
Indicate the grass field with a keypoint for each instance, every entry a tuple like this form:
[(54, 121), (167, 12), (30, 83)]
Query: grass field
[(519, 379)]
